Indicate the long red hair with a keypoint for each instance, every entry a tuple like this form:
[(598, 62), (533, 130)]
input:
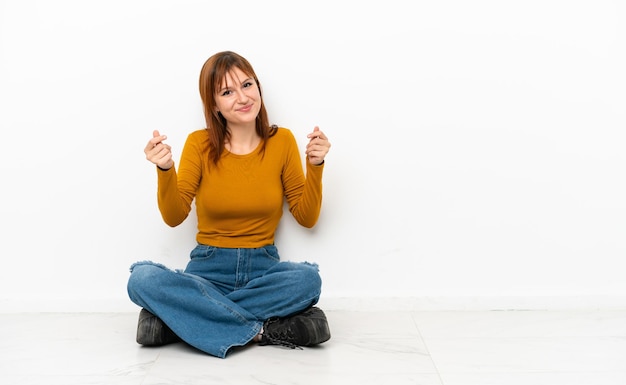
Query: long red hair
[(212, 75)]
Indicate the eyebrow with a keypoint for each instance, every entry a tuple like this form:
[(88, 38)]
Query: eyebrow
[(227, 86)]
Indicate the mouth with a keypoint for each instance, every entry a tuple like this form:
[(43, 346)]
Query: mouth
[(245, 108)]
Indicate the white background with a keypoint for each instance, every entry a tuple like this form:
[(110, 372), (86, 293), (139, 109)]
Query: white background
[(477, 160)]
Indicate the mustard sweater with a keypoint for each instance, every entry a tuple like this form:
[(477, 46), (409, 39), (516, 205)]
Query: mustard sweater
[(239, 203)]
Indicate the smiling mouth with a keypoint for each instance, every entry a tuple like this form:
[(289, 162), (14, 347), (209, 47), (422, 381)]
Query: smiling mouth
[(246, 108)]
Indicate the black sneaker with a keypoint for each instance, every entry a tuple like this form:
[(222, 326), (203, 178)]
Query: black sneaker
[(151, 331), (303, 329)]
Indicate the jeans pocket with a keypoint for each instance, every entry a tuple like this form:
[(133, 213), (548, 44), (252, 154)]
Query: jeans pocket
[(271, 252), (202, 252)]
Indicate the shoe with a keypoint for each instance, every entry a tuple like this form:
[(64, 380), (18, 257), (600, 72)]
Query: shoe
[(303, 329), (151, 331)]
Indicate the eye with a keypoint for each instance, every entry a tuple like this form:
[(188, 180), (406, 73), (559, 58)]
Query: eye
[(226, 92), (247, 84)]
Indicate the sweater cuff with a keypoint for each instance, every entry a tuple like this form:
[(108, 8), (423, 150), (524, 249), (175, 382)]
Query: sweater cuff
[(314, 169)]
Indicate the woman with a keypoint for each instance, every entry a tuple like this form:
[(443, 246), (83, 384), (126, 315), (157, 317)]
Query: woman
[(234, 290)]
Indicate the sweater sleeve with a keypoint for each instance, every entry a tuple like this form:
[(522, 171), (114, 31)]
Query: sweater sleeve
[(303, 193)]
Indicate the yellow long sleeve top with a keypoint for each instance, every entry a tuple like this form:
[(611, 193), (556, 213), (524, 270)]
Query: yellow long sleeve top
[(239, 202)]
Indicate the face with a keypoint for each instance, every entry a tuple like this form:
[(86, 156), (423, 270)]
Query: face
[(238, 98)]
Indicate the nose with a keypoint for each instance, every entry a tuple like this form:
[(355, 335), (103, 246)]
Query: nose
[(242, 97)]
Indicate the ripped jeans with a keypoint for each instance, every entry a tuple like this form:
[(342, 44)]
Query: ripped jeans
[(224, 295)]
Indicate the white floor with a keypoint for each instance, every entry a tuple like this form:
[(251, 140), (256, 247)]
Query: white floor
[(442, 348)]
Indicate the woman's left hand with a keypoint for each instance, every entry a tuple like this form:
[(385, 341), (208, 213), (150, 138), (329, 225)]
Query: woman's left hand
[(318, 147)]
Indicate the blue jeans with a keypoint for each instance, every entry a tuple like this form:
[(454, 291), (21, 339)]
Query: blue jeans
[(224, 295)]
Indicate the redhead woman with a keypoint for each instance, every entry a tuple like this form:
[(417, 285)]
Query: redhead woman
[(240, 170)]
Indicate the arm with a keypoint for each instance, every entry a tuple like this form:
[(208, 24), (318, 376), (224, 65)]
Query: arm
[(304, 194), (176, 190)]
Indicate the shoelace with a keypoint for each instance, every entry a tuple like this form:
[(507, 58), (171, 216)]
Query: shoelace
[(279, 337), (275, 341)]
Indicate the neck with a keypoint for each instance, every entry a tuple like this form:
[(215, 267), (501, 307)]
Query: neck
[(243, 139)]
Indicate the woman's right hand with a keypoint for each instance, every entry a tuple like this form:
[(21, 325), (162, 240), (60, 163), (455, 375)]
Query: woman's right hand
[(158, 152)]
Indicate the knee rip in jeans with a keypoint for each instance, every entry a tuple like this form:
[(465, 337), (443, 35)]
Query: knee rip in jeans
[(312, 264)]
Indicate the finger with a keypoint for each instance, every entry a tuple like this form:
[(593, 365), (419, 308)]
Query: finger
[(153, 155), (317, 150), (321, 135), (160, 157), (161, 150), (152, 147), (318, 144), (163, 155), (315, 133), (318, 141), (157, 140), (157, 150)]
